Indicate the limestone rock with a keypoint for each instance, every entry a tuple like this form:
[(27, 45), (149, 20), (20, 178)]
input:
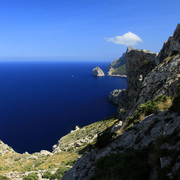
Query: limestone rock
[(141, 135), (118, 62), (45, 152), (115, 96), (138, 64), (115, 65), (4, 148), (98, 72), (171, 47)]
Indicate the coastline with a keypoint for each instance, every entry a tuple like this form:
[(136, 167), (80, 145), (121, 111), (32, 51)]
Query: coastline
[(118, 75)]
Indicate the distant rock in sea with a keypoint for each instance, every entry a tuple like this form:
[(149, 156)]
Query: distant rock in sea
[(98, 72)]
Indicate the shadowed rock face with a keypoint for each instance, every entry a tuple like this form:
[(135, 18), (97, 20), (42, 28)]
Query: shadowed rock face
[(115, 96), (171, 47), (138, 64), (98, 72)]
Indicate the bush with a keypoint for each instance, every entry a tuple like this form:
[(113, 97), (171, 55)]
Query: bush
[(47, 175), (59, 173), (176, 102), (4, 178), (104, 138), (31, 176), (129, 165), (162, 102), (176, 105)]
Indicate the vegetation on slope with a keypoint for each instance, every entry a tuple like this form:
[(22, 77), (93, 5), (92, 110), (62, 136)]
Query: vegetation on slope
[(176, 102), (59, 162), (130, 165), (160, 103), (120, 70), (137, 164)]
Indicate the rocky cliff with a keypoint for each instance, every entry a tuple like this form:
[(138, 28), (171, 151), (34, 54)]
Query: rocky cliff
[(117, 67), (145, 141)]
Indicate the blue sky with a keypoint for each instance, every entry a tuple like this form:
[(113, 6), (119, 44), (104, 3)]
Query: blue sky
[(79, 30)]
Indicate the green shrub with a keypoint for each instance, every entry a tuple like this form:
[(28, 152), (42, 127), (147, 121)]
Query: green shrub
[(150, 107), (47, 175), (104, 138), (71, 162), (176, 101), (176, 105), (4, 178), (85, 149), (146, 61), (129, 165), (31, 176), (59, 173)]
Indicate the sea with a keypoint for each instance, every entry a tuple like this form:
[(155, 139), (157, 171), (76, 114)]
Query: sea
[(42, 101)]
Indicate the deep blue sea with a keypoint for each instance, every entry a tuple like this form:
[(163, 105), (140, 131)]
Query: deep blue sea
[(42, 101)]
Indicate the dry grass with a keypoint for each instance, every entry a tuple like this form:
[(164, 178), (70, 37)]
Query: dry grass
[(25, 162), (167, 59), (162, 106), (141, 117)]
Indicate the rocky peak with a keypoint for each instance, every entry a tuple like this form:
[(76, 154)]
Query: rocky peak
[(171, 47), (129, 48), (138, 64), (98, 72)]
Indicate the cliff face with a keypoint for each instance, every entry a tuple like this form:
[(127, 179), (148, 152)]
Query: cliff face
[(138, 64), (118, 62), (171, 47), (146, 120), (117, 67)]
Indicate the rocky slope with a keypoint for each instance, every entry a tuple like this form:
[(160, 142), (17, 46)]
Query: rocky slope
[(117, 67), (148, 122), (45, 164)]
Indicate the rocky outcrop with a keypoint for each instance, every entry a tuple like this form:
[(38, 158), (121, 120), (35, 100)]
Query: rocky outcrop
[(116, 95), (171, 47), (4, 148), (160, 128), (161, 80), (98, 72), (138, 64)]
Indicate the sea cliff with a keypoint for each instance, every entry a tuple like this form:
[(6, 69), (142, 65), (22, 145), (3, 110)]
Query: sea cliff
[(140, 141)]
